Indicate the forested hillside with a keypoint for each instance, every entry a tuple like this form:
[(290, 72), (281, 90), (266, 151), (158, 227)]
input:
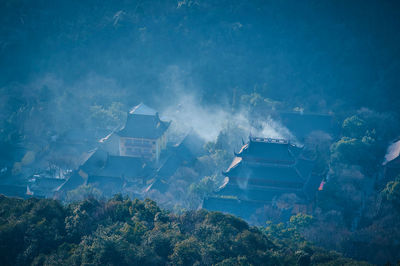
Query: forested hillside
[(70, 70), (125, 232), (80, 65)]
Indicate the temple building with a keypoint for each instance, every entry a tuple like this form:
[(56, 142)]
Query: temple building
[(131, 160), (143, 136), (109, 173), (262, 173), (182, 154)]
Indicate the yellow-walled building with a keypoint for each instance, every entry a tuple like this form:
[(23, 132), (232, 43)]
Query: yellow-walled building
[(144, 134)]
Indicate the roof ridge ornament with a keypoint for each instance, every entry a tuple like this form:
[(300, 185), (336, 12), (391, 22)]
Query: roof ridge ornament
[(269, 140)]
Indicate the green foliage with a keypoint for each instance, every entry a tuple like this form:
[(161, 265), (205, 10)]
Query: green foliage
[(211, 36), (364, 140), (257, 101), (288, 237), (349, 150), (253, 99), (187, 252), (283, 232), (108, 118), (83, 192), (301, 220), (29, 228), (204, 187), (392, 192), (350, 202), (354, 127), (132, 232)]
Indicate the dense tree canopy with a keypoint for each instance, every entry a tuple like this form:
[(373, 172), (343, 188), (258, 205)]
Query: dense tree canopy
[(69, 71), (132, 232)]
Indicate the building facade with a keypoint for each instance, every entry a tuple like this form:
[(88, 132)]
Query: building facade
[(144, 134), (262, 173)]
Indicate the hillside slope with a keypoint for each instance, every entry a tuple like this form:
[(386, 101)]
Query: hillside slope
[(132, 232)]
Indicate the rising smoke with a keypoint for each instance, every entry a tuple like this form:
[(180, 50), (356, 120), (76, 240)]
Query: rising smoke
[(187, 112)]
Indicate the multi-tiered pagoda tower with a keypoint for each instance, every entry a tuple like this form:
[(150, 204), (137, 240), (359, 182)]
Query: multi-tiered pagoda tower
[(263, 172)]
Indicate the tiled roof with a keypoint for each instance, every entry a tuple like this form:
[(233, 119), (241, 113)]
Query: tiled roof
[(255, 193), (273, 150), (144, 126), (74, 181), (157, 184), (104, 181), (142, 109), (102, 164), (108, 185), (44, 183), (265, 172)]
